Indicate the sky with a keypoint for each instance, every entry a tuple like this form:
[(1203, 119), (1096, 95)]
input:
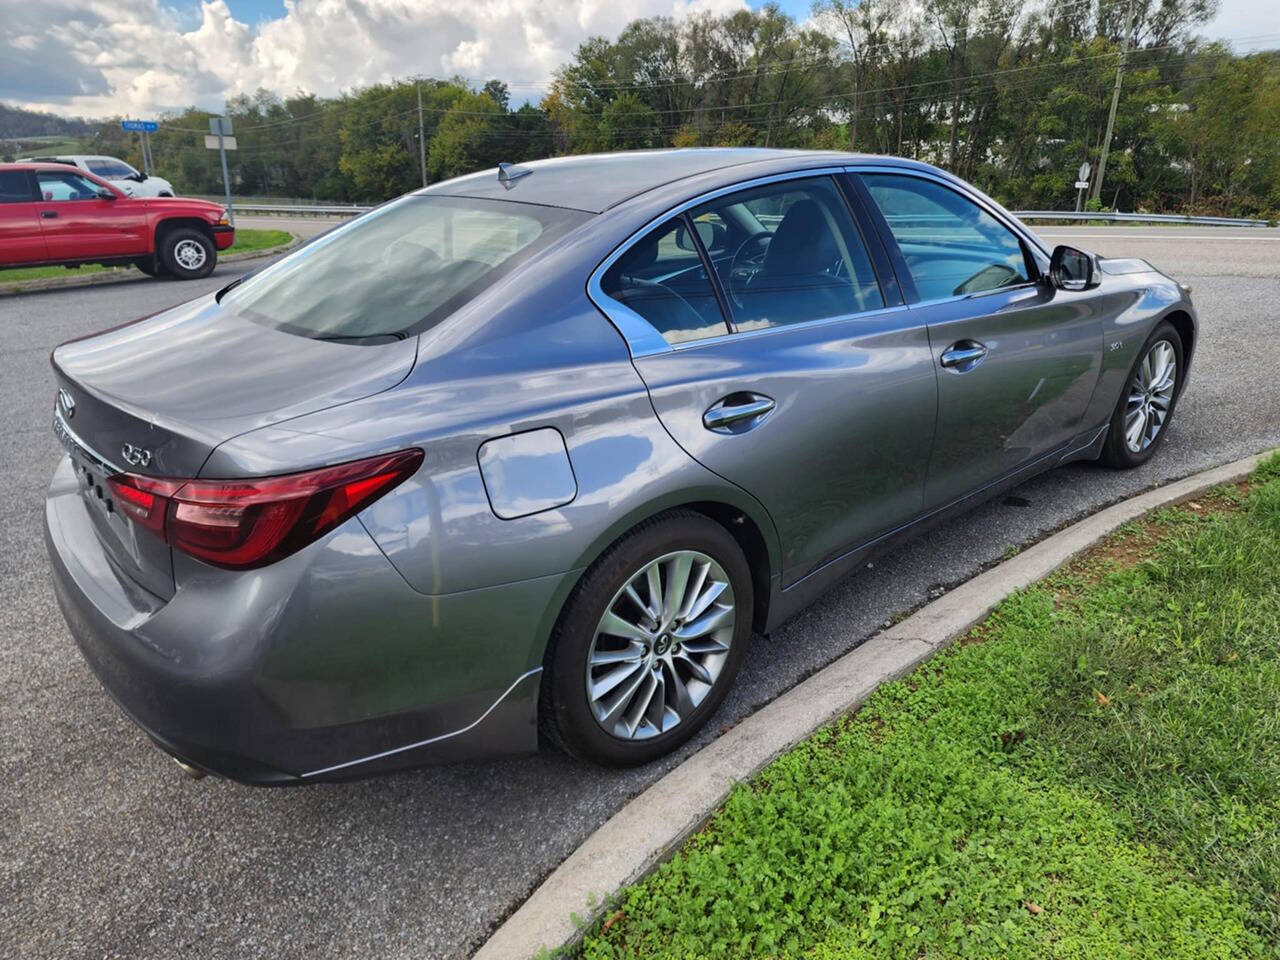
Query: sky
[(140, 58)]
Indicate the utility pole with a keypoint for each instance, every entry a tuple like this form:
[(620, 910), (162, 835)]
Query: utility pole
[(1115, 102), (422, 140)]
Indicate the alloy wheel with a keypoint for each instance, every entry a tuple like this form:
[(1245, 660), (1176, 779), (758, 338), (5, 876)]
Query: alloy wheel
[(189, 255), (1150, 396), (661, 645)]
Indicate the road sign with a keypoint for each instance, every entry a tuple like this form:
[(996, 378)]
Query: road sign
[(220, 139), (1083, 173), (139, 126), (1080, 184)]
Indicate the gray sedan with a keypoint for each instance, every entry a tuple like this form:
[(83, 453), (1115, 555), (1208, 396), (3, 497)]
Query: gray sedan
[(531, 453)]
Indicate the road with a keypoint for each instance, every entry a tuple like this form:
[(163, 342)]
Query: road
[(105, 851)]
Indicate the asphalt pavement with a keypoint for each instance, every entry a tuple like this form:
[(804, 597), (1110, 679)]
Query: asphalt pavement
[(105, 851)]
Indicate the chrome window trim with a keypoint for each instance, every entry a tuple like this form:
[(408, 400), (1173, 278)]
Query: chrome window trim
[(643, 339), (862, 315)]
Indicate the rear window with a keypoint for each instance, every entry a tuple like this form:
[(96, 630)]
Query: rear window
[(398, 270)]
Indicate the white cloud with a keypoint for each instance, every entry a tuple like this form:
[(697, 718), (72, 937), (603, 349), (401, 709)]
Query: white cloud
[(139, 57), (1249, 24)]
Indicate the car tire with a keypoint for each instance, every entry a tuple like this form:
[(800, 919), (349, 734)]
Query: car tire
[(188, 254), (150, 266), (1146, 397), (675, 660)]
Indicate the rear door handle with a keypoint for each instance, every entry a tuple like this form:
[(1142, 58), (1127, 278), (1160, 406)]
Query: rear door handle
[(48, 214), (737, 412), (963, 356)]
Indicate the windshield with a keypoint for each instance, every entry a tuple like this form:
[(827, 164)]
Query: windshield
[(399, 269)]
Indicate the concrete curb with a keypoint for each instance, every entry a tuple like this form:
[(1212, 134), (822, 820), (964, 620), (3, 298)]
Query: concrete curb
[(121, 275), (649, 828)]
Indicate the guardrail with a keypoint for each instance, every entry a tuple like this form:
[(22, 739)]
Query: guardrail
[(284, 209), (1139, 218), (351, 209)]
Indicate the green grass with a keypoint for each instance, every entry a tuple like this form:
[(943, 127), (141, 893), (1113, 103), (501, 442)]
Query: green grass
[(1096, 773), (246, 242)]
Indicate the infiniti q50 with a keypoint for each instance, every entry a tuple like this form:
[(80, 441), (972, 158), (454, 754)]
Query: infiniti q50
[(528, 455)]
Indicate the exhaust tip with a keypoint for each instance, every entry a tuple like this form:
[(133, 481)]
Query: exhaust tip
[(195, 773)]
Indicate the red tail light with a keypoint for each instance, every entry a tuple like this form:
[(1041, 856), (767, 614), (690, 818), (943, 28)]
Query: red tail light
[(256, 521)]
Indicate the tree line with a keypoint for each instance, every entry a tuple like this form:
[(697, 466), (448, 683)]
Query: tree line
[(1010, 94)]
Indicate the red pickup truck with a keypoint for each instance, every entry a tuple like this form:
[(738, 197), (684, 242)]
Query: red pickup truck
[(51, 213)]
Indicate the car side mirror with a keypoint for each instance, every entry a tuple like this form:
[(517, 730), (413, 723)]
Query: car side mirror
[(106, 195), (1072, 269), (711, 234)]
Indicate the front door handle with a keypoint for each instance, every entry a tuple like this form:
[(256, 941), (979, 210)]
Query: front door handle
[(737, 412), (963, 356), (48, 214)]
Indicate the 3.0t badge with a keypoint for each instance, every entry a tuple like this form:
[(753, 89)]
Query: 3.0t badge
[(136, 456)]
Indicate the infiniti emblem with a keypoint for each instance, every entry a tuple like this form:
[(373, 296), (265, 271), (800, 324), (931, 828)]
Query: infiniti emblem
[(67, 404), (136, 456)]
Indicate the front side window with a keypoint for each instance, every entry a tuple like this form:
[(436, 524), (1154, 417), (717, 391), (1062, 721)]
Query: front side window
[(791, 254), (952, 246), (14, 187), (399, 269), (111, 169), (661, 277), (61, 186)]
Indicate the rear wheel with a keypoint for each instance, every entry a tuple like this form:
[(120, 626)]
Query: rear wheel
[(188, 254), (649, 642), (1142, 415)]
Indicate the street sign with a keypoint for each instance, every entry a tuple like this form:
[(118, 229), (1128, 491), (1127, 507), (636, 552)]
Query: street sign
[(211, 142), (1080, 184), (220, 125), (1083, 173), (139, 126)]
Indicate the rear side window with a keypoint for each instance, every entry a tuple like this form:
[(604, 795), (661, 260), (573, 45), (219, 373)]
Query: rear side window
[(952, 246), (15, 187), (661, 277), (110, 169), (398, 270)]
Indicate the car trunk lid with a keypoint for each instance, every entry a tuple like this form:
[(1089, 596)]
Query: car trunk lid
[(157, 396)]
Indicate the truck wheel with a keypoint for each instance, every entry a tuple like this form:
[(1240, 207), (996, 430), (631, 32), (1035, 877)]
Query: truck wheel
[(188, 254)]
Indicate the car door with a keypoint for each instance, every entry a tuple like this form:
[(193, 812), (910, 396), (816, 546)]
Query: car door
[(783, 365), (20, 238), (1017, 360), (79, 221)]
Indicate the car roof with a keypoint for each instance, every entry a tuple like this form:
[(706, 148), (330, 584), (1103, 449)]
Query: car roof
[(597, 182), (38, 165)]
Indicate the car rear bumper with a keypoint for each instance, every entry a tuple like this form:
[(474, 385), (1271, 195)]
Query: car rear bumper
[(223, 236), (278, 680)]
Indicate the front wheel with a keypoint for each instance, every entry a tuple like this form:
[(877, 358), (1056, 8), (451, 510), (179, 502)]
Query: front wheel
[(1142, 415), (649, 642), (188, 254)]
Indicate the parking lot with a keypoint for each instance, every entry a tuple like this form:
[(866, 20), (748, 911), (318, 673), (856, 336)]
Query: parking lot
[(106, 851)]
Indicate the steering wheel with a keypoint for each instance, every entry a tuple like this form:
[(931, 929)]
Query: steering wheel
[(747, 261)]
